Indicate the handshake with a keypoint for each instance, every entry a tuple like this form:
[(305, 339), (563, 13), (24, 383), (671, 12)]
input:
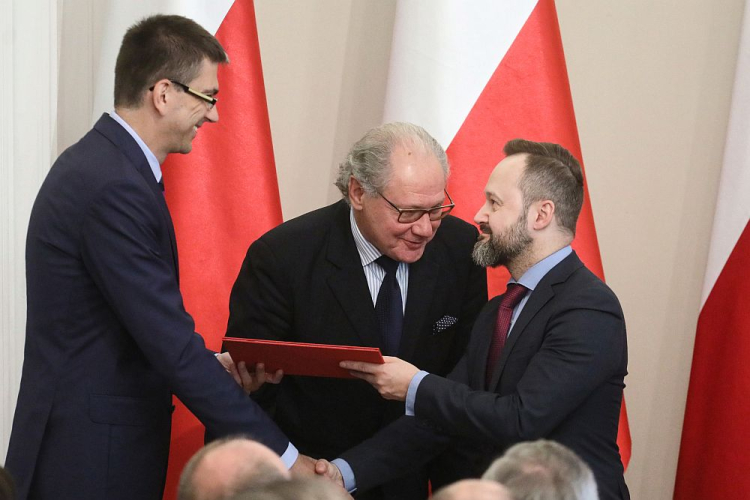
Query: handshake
[(308, 466)]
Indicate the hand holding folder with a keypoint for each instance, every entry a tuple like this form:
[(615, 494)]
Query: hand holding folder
[(299, 358)]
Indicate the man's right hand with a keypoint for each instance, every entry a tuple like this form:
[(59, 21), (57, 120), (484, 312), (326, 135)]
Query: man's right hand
[(330, 471)]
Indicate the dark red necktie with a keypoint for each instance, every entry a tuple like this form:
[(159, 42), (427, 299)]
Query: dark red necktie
[(510, 300)]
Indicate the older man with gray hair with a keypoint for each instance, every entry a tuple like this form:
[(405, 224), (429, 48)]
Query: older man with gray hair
[(543, 470), (386, 266)]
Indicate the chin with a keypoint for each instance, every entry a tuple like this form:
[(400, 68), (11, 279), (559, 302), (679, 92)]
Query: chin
[(409, 256)]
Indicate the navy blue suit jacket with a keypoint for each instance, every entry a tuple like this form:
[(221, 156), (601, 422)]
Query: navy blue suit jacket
[(108, 340), (560, 377)]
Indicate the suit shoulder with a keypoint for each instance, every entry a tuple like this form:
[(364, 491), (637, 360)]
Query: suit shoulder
[(587, 289)]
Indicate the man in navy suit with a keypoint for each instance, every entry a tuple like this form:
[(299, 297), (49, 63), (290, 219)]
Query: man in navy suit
[(108, 341), (556, 371)]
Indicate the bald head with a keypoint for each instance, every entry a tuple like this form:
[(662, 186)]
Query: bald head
[(474, 489), (225, 467)]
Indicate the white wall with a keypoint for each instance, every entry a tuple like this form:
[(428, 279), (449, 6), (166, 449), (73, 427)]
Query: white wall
[(28, 70)]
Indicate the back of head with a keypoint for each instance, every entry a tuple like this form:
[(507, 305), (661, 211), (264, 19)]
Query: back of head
[(226, 466), (543, 470), (474, 489), (369, 159), (295, 489), (7, 488), (158, 47), (551, 173)]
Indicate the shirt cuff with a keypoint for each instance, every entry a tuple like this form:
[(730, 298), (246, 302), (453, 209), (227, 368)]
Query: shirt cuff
[(346, 473), (290, 456), (411, 393)]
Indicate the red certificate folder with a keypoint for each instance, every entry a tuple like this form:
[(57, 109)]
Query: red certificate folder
[(298, 358)]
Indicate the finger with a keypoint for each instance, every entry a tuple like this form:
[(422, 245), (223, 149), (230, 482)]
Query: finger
[(246, 379), (357, 366), (276, 377), (322, 467)]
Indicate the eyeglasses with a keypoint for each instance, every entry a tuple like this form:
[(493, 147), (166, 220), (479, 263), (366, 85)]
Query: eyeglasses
[(410, 215), (211, 101)]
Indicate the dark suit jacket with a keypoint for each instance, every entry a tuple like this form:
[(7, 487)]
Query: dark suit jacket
[(560, 377), (108, 340), (303, 281)]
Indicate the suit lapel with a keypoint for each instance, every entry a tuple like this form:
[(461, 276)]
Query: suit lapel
[(347, 280), (422, 281), (541, 295), (120, 137)]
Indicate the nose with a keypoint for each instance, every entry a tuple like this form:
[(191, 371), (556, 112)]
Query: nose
[(481, 215), (213, 115), (423, 226)]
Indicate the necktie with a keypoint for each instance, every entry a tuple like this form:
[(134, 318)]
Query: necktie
[(389, 307), (161, 184), (510, 300)]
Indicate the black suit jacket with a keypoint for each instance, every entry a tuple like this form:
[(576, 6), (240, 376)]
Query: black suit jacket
[(108, 340), (303, 281), (560, 377)]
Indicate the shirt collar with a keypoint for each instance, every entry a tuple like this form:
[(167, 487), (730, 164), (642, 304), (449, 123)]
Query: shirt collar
[(150, 157), (535, 273), (367, 251)]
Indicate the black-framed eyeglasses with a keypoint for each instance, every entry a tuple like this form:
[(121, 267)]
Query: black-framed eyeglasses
[(410, 215), (211, 101)]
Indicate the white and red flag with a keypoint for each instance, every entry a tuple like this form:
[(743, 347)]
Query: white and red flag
[(224, 194), (714, 460), (476, 75)]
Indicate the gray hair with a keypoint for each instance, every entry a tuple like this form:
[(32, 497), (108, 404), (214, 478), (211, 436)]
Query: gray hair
[(543, 470), (369, 160)]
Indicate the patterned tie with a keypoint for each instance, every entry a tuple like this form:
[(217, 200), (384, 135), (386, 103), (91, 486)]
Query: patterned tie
[(389, 307), (510, 300)]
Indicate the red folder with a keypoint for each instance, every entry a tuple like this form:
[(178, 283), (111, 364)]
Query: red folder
[(299, 358)]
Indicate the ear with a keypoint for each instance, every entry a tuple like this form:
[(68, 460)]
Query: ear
[(160, 96), (542, 214), (356, 193)]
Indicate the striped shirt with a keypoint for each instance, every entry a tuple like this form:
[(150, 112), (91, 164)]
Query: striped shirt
[(373, 272)]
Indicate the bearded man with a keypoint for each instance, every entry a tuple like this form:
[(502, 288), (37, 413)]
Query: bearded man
[(546, 359)]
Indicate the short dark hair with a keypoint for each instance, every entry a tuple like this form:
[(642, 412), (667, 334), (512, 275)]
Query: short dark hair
[(158, 47), (551, 173)]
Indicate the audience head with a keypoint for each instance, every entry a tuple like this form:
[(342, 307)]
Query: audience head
[(7, 488), (394, 178), (296, 489), (474, 489), (227, 466), (543, 470)]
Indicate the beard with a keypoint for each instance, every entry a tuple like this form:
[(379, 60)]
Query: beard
[(502, 249)]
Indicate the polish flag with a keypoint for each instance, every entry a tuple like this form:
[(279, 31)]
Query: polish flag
[(224, 194), (714, 462), (477, 76)]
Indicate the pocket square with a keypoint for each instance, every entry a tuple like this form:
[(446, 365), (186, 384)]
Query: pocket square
[(443, 323)]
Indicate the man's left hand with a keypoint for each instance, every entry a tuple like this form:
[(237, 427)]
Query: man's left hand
[(391, 379)]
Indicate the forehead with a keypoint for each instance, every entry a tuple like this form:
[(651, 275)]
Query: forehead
[(506, 175), (207, 78), (415, 172)]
